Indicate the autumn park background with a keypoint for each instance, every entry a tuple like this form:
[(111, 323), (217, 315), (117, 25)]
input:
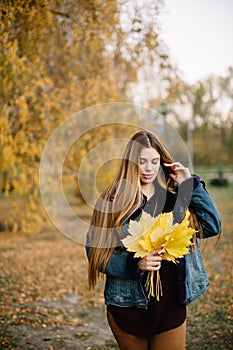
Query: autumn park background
[(61, 57)]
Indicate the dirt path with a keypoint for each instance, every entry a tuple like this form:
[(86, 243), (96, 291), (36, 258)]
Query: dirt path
[(91, 333), (45, 302)]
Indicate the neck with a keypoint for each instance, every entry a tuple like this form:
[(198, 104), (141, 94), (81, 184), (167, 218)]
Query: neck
[(148, 189)]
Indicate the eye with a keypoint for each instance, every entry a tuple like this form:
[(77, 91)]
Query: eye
[(142, 161), (155, 161)]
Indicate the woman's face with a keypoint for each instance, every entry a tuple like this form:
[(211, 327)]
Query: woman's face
[(149, 164)]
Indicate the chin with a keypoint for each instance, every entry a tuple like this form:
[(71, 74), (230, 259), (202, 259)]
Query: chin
[(147, 181)]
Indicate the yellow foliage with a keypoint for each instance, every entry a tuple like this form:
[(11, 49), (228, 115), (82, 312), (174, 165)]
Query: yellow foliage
[(56, 59), (149, 234)]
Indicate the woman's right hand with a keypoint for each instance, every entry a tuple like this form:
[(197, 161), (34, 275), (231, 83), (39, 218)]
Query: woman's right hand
[(151, 262)]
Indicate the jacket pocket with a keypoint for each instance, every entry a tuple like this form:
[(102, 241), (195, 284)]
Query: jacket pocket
[(121, 292)]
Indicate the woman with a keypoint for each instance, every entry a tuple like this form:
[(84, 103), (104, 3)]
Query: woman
[(149, 180)]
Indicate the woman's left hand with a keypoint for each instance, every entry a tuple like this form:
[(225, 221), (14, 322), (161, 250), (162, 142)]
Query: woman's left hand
[(179, 173)]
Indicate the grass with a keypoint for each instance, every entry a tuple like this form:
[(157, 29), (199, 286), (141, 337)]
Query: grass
[(207, 173), (210, 316)]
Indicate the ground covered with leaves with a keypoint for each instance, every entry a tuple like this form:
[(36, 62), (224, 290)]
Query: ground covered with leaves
[(45, 302)]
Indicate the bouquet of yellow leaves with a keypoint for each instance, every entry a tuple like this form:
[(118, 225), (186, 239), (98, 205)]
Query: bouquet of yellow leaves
[(160, 233)]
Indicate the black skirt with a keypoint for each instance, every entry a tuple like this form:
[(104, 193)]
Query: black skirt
[(161, 316)]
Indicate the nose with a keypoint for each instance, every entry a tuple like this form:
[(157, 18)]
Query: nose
[(148, 166)]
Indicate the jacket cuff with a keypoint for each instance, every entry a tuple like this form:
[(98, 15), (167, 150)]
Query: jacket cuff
[(190, 184)]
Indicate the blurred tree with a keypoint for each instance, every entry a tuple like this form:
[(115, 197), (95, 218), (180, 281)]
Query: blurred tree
[(58, 57), (208, 106)]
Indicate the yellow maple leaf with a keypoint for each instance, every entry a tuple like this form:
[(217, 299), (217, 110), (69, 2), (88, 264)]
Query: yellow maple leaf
[(132, 241), (139, 240), (178, 240)]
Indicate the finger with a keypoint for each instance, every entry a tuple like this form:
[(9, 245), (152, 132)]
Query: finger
[(174, 167), (172, 164), (154, 267), (154, 258), (169, 164), (156, 252)]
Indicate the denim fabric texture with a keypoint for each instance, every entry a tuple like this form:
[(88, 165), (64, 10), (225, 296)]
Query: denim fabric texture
[(196, 277), (124, 282)]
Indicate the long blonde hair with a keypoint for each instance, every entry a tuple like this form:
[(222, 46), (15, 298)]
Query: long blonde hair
[(122, 197)]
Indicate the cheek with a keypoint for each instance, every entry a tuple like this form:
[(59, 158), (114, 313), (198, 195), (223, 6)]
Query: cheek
[(156, 168), (141, 168)]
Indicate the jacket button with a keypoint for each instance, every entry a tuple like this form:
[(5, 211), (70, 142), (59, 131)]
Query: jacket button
[(141, 304)]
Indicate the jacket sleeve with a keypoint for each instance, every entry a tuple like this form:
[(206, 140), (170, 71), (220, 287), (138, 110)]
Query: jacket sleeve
[(121, 264), (117, 265), (206, 211)]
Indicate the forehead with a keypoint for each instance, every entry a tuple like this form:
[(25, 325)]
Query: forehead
[(149, 153)]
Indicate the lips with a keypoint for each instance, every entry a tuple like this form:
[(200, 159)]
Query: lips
[(148, 176)]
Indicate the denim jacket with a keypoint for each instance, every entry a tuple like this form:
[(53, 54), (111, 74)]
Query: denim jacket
[(124, 286)]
